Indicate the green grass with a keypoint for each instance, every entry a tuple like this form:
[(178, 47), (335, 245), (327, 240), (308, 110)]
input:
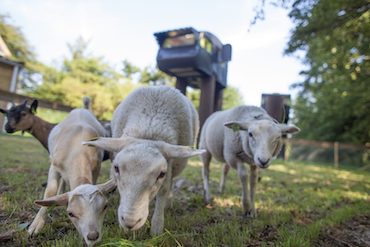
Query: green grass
[(295, 202)]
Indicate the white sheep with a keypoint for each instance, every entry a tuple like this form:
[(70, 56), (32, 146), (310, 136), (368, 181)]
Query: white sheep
[(76, 165), (152, 129), (250, 136), (86, 207)]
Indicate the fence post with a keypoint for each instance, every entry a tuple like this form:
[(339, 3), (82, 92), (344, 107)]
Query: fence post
[(336, 154)]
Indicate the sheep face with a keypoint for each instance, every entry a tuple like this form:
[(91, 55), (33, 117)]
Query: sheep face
[(87, 214), (20, 117), (262, 139), (140, 170), (86, 208), (139, 178)]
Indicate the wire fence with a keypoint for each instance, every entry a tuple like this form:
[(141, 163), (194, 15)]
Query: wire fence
[(328, 152)]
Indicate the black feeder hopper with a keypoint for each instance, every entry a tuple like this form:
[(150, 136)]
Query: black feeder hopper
[(196, 59)]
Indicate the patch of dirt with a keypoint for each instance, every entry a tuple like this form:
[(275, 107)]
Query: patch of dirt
[(4, 188), (354, 232), (266, 237)]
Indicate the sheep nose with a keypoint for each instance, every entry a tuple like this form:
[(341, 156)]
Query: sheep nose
[(93, 236), (130, 223), (263, 162)]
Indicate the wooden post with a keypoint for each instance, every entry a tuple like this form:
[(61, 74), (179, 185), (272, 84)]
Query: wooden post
[(218, 99), (181, 85), (207, 98), (336, 154), (275, 106)]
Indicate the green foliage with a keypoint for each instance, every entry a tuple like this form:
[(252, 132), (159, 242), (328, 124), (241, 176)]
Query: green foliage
[(83, 74), (334, 99), (332, 38), (15, 40), (231, 98)]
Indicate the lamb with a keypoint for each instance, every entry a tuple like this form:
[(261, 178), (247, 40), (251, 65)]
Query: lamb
[(152, 130), (86, 208), (76, 165), (251, 136)]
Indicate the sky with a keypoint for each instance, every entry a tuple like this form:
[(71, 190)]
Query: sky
[(123, 30)]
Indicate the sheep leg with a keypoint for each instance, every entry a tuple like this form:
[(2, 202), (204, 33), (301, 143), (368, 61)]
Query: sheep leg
[(245, 195), (62, 186), (206, 159), (160, 204), (51, 190), (225, 171), (252, 185)]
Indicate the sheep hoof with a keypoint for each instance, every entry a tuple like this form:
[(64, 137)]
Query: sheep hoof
[(155, 231), (250, 214), (208, 201)]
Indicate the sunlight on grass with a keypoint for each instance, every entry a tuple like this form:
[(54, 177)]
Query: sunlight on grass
[(195, 162), (282, 168), (225, 202), (355, 195)]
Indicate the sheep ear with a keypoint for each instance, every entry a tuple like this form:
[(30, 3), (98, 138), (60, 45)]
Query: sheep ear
[(34, 106), (178, 151), (3, 111), (289, 129), (107, 187), (109, 144), (59, 200), (237, 125)]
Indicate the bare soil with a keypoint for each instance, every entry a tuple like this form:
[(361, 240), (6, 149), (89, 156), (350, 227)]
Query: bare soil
[(354, 232)]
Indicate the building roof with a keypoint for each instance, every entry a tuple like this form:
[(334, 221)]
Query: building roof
[(10, 62)]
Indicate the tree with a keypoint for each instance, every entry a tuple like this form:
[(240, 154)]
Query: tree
[(83, 74), (149, 75), (153, 76), (334, 97)]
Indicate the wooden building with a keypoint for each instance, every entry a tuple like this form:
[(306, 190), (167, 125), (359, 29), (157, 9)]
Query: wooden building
[(9, 73)]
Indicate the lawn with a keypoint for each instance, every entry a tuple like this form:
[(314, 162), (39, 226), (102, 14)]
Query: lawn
[(297, 204)]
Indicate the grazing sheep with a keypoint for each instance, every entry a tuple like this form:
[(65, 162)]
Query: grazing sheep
[(74, 163), (86, 207), (153, 128), (251, 136), (23, 118)]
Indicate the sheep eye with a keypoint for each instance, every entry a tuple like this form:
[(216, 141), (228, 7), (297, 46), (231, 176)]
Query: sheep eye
[(161, 175), (250, 134), (116, 169), (23, 114), (105, 207), (70, 214)]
